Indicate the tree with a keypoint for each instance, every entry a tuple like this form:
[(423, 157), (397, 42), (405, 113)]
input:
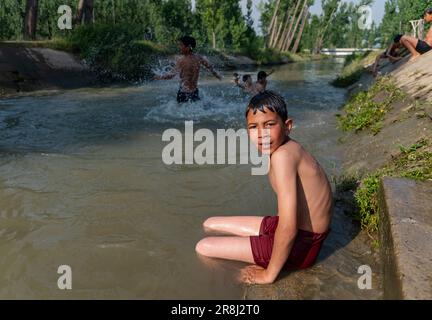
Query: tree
[(287, 33), (208, 10), (330, 8), (294, 31), (30, 20), (302, 27), (84, 11)]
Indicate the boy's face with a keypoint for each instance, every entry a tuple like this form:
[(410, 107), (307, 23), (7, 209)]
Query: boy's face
[(267, 130), (248, 81), (263, 81), (184, 49), (428, 17)]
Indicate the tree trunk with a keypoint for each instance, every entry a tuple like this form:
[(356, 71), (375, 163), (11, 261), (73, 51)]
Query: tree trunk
[(214, 39), (113, 11), (272, 23), (300, 34), (85, 11), (30, 20), (278, 34), (294, 31), (320, 40), (284, 29), (285, 39), (274, 32)]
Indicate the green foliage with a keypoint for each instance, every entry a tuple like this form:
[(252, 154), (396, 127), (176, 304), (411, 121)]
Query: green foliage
[(354, 68), (366, 198), (397, 15), (414, 162), (161, 21), (365, 110), (114, 51)]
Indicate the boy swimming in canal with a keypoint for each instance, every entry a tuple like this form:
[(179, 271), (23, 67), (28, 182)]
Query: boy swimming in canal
[(293, 238), (188, 67)]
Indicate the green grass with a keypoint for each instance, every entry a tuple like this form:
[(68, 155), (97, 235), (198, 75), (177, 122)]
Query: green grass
[(365, 111), (354, 69), (366, 198), (414, 162)]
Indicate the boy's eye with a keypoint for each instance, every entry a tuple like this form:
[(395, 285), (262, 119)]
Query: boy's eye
[(269, 124)]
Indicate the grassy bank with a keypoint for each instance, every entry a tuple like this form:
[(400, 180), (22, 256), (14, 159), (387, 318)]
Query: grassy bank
[(366, 110), (413, 162), (354, 68), (367, 114)]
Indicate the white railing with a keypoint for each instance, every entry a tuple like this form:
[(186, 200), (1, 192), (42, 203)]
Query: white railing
[(418, 28), (345, 51)]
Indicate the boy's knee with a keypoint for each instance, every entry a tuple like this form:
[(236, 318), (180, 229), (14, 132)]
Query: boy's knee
[(203, 247), (209, 224)]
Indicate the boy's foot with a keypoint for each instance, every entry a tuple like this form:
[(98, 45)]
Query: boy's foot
[(414, 57)]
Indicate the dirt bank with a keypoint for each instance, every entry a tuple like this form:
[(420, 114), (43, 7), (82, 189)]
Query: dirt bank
[(30, 69), (408, 120), (389, 124)]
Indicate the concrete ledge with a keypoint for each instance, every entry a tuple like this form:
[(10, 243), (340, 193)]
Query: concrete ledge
[(406, 238)]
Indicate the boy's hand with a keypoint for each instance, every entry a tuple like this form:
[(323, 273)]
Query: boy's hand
[(255, 275)]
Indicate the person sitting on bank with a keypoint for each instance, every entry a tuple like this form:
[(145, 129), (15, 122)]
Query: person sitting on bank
[(188, 67), (392, 54), (416, 46)]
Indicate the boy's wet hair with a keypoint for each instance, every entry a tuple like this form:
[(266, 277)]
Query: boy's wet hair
[(188, 41), (270, 100), (246, 77), (398, 38), (262, 75), (428, 11)]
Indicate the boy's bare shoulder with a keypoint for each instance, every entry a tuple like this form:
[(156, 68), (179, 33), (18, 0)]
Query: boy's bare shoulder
[(288, 154)]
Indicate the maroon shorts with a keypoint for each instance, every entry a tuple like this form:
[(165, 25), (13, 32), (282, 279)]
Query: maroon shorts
[(304, 253)]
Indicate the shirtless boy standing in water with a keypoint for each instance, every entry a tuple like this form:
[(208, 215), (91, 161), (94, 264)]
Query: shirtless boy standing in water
[(293, 238), (188, 67)]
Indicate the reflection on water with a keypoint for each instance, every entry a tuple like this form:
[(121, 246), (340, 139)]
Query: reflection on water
[(82, 183)]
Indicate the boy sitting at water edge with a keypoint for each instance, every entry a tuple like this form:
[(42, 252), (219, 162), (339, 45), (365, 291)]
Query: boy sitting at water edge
[(293, 238)]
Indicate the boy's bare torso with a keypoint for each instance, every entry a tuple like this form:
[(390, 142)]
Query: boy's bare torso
[(189, 69), (314, 195), (254, 89), (428, 38)]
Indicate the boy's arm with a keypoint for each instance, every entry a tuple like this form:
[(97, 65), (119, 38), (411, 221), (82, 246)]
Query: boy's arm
[(391, 57), (169, 75), (210, 68), (238, 84), (285, 173), (394, 59)]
